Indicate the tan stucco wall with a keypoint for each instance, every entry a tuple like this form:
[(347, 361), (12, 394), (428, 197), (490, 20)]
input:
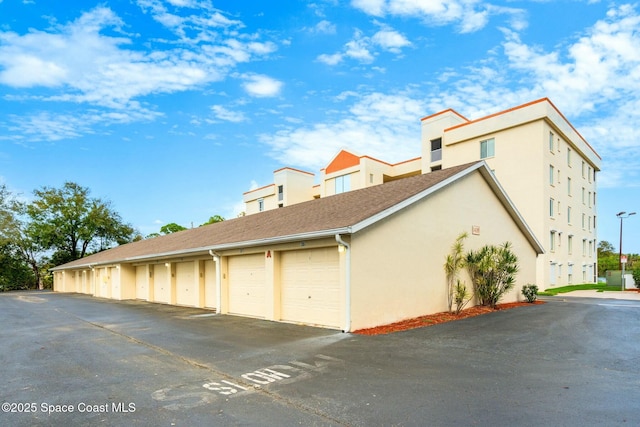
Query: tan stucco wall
[(397, 264), (521, 163)]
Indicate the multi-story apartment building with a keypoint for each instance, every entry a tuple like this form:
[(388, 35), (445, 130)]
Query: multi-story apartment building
[(345, 172), (545, 166)]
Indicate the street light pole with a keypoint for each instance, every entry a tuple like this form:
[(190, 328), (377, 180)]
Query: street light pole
[(622, 215)]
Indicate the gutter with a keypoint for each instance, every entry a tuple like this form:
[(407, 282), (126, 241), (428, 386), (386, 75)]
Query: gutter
[(347, 326), (218, 260)]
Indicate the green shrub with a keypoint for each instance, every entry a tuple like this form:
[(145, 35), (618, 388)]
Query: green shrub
[(530, 292), (493, 272), (636, 276)]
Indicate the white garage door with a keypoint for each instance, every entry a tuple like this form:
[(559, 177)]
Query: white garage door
[(187, 287), (161, 284), (310, 290), (142, 283), (247, 285)]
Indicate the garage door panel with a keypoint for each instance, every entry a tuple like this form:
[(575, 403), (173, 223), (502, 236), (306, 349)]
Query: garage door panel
[(310, 291), (161, 285), (142, 283), (247, 285), (186, 287)]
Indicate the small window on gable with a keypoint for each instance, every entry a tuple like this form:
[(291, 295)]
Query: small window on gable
[(487, 148), (260, 205)]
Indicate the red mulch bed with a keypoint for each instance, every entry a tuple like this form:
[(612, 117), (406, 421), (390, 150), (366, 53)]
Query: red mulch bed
[(434, 319)]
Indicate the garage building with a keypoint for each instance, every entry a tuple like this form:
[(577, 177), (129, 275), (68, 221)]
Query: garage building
[(354, 260)]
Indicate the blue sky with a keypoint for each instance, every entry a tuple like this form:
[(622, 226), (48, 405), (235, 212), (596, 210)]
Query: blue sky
[(172, 109)]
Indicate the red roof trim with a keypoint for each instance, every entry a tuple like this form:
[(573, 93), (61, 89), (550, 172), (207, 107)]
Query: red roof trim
[(295, 170), (445, 111)]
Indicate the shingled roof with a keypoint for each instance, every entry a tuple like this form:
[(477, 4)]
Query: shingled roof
[(342, 213)]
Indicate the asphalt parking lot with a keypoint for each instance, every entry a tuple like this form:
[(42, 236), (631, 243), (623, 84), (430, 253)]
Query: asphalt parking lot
[(71, 359)]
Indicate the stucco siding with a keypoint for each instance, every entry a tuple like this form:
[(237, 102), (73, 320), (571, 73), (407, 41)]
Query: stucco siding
[(397, 263)]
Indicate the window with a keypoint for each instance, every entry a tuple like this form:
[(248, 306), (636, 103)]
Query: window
[(570, 274), (569, 186), (589, 199), (583, 168), (370, 178), (590, 173), (343, 184), (594, 222), (552, 241), (568, 214), (589, 223), (590, 248), (260, 205), (551, 206), (551, 174), (584, 247), (558, 176), (551, 141), (280, 193), (436, 149), (568, 156), (583, 197), (583, 221), (570, 244), (487, 148), (594, 198)]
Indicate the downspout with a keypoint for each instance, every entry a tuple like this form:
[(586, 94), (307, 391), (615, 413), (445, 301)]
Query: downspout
[(218, 260), (347, 327)]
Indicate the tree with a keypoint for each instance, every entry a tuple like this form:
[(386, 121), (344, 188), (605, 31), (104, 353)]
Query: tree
[(493, 270), (70, 222), (213, 220), (14, 273), (16, 238), (452, 266), (172, 227), (605, 248), (607, 257)]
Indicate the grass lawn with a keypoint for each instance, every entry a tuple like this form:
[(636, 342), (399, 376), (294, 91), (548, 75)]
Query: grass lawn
[(600, 287)]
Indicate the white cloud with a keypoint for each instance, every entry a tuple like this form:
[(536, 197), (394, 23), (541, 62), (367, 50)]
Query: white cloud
[(81, 64), (333, 59), (363, 48), (228, 115), (371, 7), (468, 15), (358, 48), (376, 124), (324, 27), (390, 40), (261, 86)]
